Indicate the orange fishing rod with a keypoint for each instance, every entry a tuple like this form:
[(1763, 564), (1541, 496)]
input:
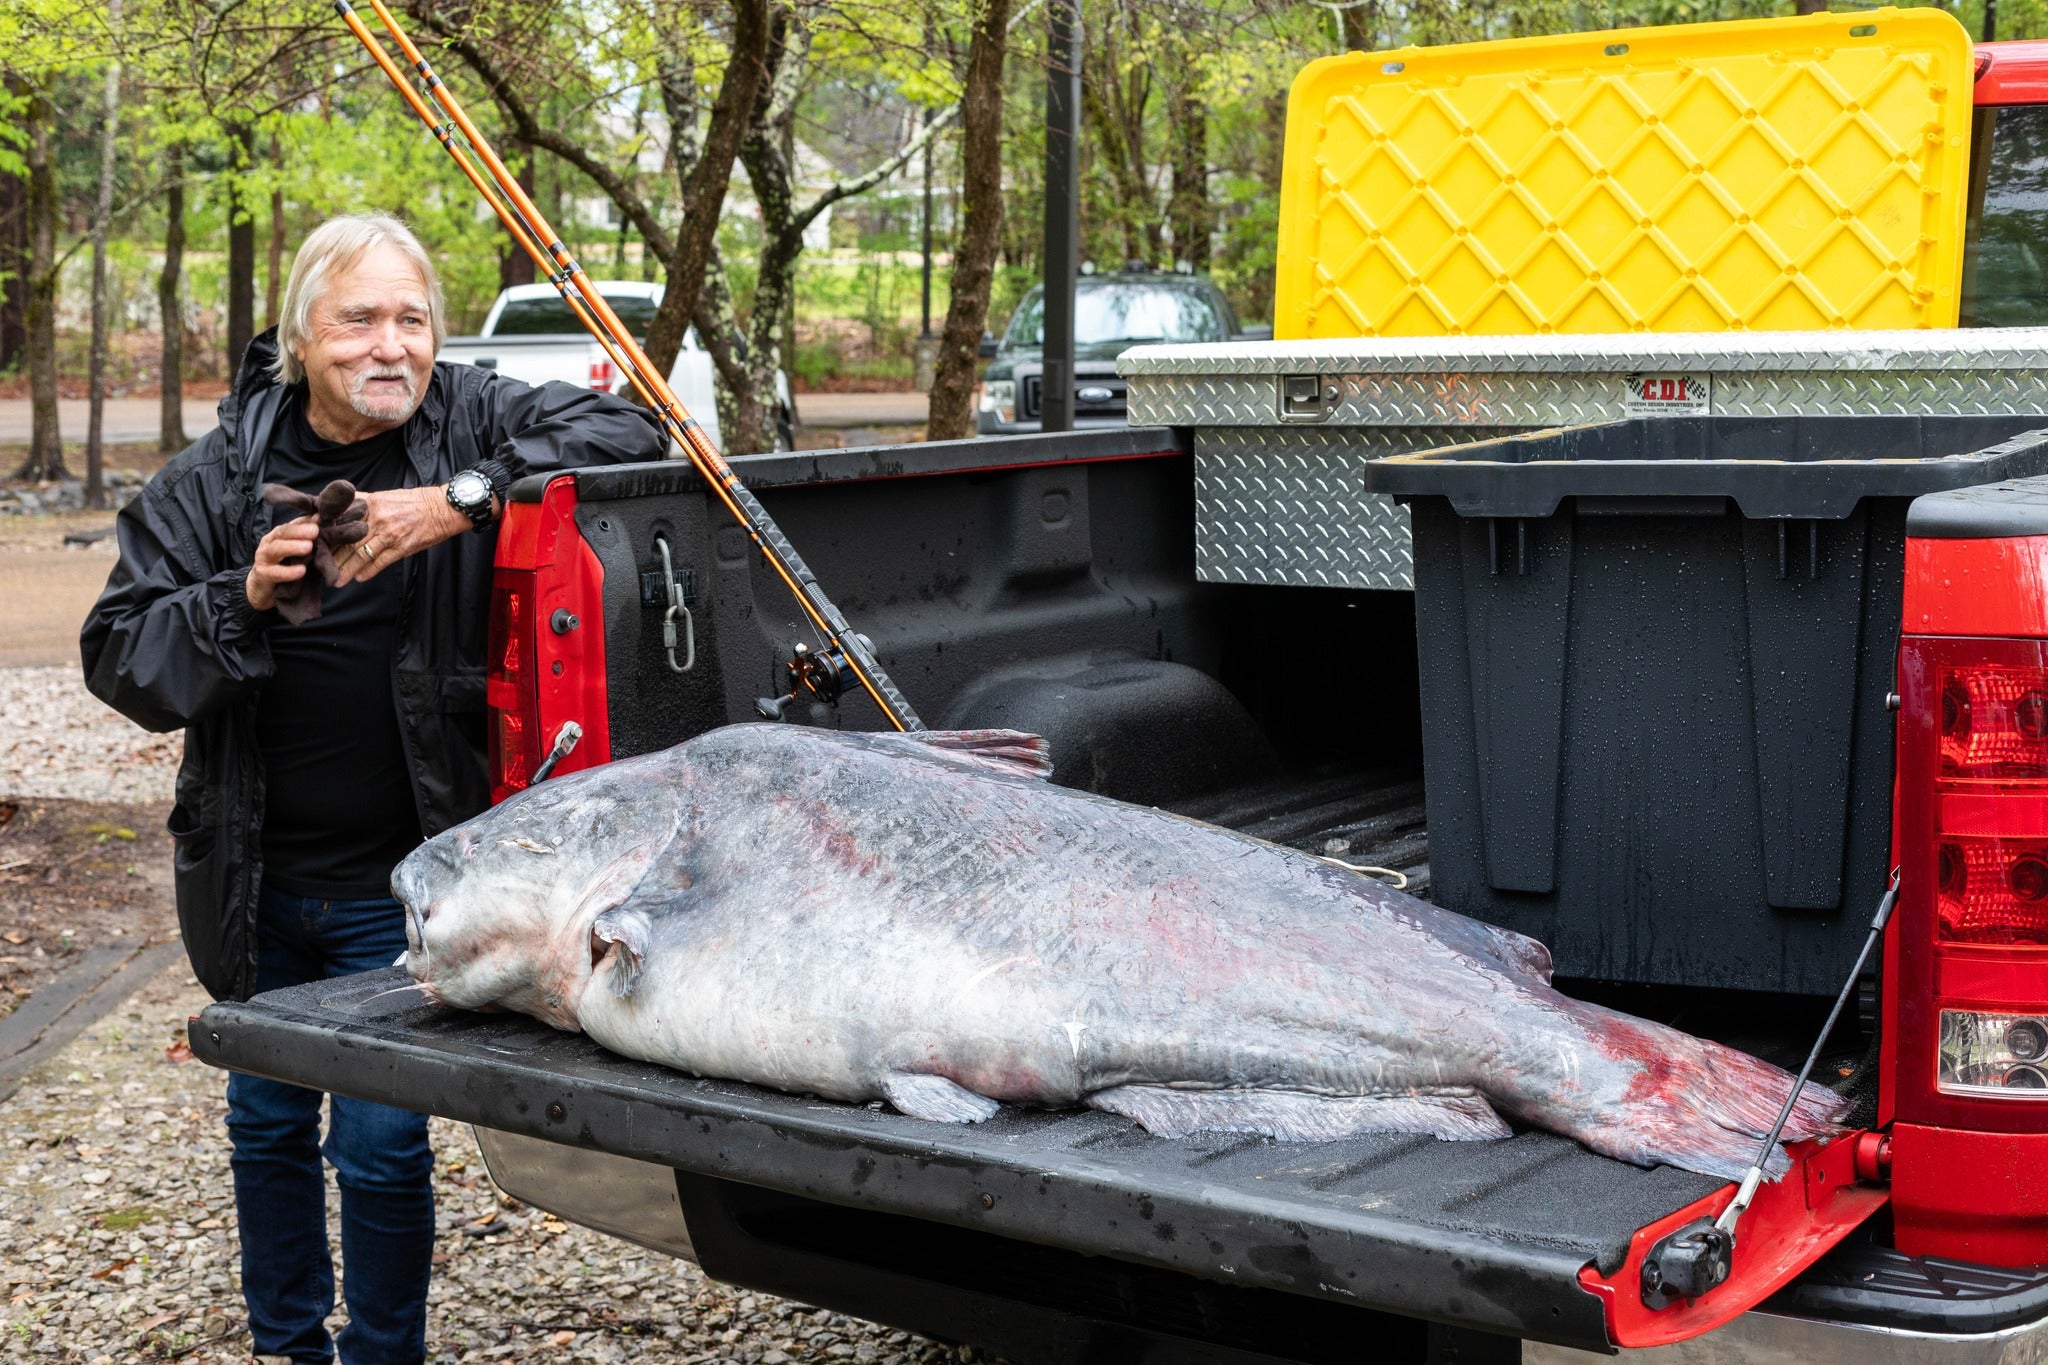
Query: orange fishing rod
[(846, 653)]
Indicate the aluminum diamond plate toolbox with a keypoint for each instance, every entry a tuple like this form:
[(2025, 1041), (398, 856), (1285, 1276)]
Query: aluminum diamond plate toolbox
[(1282, 429)]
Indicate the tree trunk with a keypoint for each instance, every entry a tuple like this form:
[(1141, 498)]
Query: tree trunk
[(13, 258), (102, 218), (1358, 27), (273, 284), (706, 181), (515, 267), (1132, 202), (981, 227), (1189, 206), (241, 252), (45, 446), (170, 311)]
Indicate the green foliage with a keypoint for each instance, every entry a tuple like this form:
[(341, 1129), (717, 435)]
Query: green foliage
[(367, 152), (286, 75)]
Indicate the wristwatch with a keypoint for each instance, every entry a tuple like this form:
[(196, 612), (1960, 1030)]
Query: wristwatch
[(470, 494)]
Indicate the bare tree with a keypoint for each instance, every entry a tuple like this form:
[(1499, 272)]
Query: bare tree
[(45, 446), (273, 280), (1116, 87), (169, 310), (102, 221), (767, 155), (1188, 207), (704, 172), (241, 249), (981, 227), (13, 251)]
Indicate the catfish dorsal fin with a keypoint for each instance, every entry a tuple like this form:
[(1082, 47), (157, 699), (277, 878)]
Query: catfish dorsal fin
[(1003, 751)]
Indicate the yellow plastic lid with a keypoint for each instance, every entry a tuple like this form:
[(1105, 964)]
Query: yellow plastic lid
[(1780, 174)]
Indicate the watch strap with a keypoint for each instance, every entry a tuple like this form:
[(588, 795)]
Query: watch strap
[(498, 472)]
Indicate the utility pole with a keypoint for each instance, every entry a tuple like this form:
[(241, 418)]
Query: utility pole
[(1062, 210), (1990, 21)]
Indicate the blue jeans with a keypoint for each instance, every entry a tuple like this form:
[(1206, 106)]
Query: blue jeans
[(380, 1156)]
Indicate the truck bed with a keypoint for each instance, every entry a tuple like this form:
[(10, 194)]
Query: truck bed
[(1490, 1235)]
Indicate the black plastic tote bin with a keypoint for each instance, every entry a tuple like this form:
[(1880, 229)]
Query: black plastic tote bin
[(1655, 656)]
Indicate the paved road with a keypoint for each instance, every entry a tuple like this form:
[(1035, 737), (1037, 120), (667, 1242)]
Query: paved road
[(862, 409), (132, 420), (129, 420)]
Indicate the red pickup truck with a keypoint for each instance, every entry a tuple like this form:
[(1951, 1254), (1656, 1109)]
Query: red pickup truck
[(1052, 583)]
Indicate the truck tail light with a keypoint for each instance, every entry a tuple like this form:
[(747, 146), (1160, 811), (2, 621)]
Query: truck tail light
[(510, 688), (1966, 1009), (546, 648), (603, 375)]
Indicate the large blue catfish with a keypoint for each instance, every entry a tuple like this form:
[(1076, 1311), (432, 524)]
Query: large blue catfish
[(924, 919)]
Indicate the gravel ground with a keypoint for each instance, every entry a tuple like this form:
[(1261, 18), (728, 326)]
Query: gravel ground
[(117, 1237), (77, 876), (64, 742), (117, 1223)]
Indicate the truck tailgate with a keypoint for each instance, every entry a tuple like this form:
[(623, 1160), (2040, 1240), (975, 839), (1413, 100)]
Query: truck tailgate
[(1491, 1235)]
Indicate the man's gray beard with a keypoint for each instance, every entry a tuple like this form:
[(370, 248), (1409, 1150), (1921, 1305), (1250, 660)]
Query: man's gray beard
[(397, 410)]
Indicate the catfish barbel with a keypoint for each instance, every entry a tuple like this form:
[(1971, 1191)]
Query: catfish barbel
[(923, 918)]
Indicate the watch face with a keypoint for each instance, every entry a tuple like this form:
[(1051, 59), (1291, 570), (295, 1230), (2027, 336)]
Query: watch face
[(469, 488)]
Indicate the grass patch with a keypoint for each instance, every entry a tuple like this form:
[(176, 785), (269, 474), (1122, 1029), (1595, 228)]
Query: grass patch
[(133, 1216)]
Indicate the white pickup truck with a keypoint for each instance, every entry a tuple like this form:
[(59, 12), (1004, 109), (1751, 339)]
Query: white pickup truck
[(531, 335)]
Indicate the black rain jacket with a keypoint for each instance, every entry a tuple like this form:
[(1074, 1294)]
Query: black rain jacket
[(173, 642)]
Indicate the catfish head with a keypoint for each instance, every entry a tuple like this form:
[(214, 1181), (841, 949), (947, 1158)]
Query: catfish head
[(499, 910)]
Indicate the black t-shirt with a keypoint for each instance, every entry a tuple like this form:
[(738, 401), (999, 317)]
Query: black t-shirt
[(338, 809)]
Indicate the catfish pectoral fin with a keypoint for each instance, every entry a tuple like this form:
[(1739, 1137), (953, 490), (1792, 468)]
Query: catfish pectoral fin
[(936, 1098), (1454, 1115), (623, 936)]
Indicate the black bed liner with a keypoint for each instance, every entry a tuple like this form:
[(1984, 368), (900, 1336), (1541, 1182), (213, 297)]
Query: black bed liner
[(1489, 1234)]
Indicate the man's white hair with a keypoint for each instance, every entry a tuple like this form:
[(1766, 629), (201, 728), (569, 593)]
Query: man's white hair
[(338, 244)]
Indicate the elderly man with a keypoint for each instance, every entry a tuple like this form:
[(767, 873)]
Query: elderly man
[(318, 754)]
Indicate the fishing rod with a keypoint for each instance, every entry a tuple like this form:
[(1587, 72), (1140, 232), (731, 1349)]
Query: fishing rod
[(848, 656)]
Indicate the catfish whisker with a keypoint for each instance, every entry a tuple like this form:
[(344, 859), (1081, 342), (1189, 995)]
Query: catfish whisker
[(419, 986)]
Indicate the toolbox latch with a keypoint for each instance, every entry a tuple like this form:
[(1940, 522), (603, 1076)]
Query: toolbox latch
[(1307, 397)]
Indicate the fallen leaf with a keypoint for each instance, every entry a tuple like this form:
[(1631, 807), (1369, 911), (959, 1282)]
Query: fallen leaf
[(150, 1324), (121, 1264), (180, 1051), (15, 936)]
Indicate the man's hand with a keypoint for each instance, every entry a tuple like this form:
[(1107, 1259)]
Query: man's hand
[(293, 540), (402, 522)]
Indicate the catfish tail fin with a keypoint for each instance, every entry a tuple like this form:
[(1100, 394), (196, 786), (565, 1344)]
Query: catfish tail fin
[(1647, 1094)]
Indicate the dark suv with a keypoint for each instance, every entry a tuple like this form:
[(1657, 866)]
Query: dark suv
[(1112, 313)]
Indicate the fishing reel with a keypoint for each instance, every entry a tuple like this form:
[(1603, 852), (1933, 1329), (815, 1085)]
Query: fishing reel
[(824, 674)]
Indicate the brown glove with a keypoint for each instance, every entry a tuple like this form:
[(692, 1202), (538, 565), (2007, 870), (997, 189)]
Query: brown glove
[(344, 519)]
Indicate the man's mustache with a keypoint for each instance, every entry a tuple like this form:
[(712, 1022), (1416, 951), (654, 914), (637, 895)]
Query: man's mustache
[(366, 377)]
